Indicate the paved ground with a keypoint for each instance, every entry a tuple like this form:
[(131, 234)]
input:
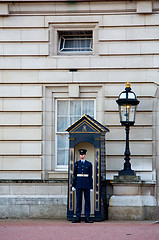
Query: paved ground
[(65, 230)]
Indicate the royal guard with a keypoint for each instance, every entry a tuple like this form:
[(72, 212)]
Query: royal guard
[(82, 182)]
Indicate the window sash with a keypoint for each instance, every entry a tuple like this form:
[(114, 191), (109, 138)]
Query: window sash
[(66, 115), (75, 42)]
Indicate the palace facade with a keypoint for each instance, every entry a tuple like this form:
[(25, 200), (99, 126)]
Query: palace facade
[(60, 60)]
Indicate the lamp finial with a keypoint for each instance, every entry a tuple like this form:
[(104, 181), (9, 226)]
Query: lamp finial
[(128, 84)]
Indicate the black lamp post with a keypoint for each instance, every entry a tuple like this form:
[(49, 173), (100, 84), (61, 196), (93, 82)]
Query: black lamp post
[(127, 102)]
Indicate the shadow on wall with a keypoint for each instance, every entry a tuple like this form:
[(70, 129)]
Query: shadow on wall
[(156, 163)]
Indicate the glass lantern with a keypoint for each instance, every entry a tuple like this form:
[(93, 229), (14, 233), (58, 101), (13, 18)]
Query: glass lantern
[(127, 103)]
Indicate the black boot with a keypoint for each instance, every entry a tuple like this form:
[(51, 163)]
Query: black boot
[(88, 220), (76, 220)]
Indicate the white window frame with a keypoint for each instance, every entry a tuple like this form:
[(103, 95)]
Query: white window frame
[(65, 167), (76, 36)]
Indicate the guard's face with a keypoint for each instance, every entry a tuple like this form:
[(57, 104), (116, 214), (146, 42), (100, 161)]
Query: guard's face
[(82, 157)]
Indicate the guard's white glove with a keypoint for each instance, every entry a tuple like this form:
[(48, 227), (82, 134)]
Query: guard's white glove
[(73, 189), (91, 190)]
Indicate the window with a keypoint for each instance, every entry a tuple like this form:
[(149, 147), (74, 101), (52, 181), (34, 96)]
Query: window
[(75, 42), (68, 111)]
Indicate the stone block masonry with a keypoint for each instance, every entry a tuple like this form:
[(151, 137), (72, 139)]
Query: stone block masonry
[(19, 206), (33, 199)]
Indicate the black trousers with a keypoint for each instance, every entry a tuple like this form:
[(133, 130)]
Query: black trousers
[(79, 202)]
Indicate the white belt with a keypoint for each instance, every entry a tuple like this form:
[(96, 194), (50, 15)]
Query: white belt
[(82, 175)]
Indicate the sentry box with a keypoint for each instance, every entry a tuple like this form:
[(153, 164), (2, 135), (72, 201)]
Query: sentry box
[(89, 134)]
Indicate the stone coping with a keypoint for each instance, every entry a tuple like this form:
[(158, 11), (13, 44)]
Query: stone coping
[(40, 181), (73, 1), (33, 181), (33, 196), (108, 182), (131, 180)]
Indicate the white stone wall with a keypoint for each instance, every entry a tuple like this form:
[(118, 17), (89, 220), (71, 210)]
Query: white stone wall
[(34, 199), (33, 75)]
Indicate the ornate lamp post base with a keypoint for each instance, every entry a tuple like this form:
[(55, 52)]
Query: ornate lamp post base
[(127, 172)]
